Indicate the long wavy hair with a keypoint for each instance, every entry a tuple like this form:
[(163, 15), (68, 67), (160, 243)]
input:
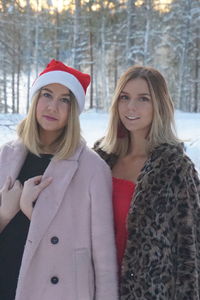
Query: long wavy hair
[(163, 125)]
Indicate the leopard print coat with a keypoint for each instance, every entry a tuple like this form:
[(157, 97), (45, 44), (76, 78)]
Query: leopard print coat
[(162, 257)]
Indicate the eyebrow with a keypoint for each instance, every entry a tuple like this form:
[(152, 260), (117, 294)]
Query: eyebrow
[(144, 94), (141, 94), (46, 89)]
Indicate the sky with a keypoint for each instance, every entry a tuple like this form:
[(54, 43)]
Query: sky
[(94, 124), (60, 5)]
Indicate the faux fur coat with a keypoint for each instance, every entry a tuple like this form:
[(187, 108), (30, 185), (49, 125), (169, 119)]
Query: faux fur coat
[(162, 257)]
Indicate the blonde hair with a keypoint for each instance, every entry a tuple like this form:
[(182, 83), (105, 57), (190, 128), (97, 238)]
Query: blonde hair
[(67, 142), (163, 126)]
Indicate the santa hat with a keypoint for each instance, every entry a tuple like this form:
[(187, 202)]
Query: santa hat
[(56, 72)]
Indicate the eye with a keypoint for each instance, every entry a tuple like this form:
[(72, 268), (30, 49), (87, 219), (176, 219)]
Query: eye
[(144, 99), (46, 94), (123, 97), (65, 100)]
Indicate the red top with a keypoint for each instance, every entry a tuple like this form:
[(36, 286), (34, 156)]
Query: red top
[(122, 194)]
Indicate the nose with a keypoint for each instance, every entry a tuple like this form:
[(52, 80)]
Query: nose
[(53, 105), (132, 104)]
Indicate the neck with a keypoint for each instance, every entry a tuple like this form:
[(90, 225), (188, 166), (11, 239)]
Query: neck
[(48, 143), (138, 146)]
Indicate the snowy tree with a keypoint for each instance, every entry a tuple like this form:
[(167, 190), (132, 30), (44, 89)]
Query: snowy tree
[(102, 38)]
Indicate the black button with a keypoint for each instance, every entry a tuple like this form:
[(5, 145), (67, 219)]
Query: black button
[(54, 279), (54, 240)]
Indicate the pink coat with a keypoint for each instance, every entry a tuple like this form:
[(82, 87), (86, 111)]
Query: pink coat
[(76, 211)]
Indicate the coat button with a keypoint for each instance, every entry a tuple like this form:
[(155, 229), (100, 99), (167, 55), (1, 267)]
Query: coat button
[(54, 279), (54, 240)]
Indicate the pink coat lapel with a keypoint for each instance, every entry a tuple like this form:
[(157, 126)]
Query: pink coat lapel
[(49, 202)]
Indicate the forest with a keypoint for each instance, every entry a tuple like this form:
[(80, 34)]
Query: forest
[(102, 38)]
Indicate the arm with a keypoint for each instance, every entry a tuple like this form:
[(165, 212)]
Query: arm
[(103, 243), (9, 201), (188, 233)]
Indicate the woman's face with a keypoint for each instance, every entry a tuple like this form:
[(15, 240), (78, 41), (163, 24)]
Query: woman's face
[(135, 107), (52, 110)]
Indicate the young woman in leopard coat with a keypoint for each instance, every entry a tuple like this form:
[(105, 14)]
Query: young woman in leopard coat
[(159, 254)]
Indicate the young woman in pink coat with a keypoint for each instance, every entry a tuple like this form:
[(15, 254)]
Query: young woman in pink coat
[(56, 224)]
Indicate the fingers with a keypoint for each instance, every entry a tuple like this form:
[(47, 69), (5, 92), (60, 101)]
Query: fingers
[(10, 199), (8, 184), (17, 189), (43, 184), (36, 184), (17, 184), (31, 190), (36, 179)]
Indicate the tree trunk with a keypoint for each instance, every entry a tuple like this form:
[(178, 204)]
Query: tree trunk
[(13, 86), (197, 79), (130, 32), (147, 32), (5, 85), (18, 82), (91, 68), (76, 40), (36, 39)]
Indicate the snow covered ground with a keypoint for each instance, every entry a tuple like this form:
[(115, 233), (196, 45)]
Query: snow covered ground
[(94, 123)]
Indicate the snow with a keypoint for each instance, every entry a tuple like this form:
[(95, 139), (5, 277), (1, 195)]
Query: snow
[(94, 124)]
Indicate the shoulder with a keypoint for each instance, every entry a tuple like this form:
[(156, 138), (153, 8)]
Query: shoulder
[(167, 150), (169, 163), (12, 151), (109, 158), (7, 145), (92, 168), (11, 145), (91, 154), (91, 158), (171, 156)]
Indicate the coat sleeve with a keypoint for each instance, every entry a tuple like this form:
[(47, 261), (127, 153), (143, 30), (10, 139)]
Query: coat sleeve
[(103, 243), (188, 236)]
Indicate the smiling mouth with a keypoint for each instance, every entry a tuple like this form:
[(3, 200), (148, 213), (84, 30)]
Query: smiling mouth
[(50, 118), (132, 118)]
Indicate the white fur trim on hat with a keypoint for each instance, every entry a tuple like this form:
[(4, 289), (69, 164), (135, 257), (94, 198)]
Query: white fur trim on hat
[(64, 78)]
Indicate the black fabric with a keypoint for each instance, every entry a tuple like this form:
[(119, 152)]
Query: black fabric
[(13, 237)]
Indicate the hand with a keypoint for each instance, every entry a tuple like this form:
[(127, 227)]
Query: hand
[(9, 202), (31, 190)]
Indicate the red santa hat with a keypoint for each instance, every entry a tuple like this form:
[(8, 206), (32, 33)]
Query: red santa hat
[(56, 72)]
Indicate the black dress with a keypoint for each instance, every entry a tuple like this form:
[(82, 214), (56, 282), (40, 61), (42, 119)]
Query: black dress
[(13, 237)]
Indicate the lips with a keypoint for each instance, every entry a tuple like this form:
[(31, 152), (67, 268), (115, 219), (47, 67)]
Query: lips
[(50, 118), (132, 117)]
